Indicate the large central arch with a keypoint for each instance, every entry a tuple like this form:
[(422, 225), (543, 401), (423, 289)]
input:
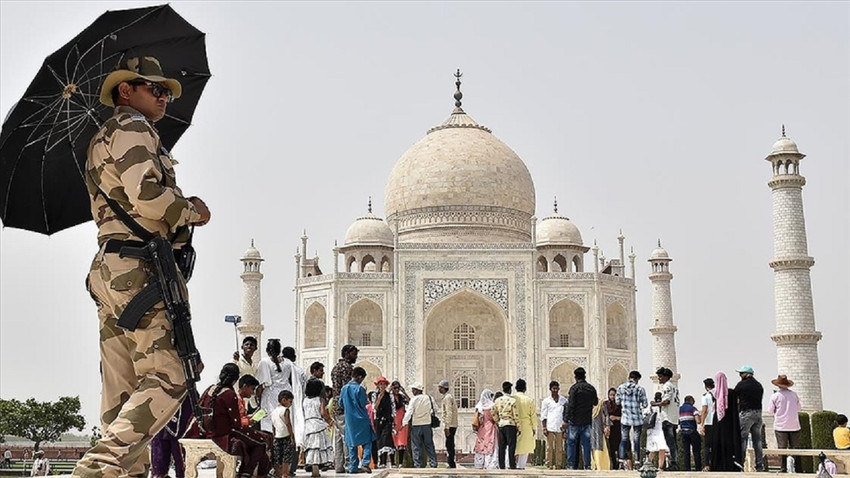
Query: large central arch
[(465, 342)]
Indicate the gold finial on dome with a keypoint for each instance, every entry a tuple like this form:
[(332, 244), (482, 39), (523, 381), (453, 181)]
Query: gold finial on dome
[(556, 204), (458, 95), (783, 130), (370, 205)]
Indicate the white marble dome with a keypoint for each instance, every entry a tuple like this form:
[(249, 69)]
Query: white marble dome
[(659, 253), (784, 145), (460, 175), (557, 230), (251, 252), (369, 230)]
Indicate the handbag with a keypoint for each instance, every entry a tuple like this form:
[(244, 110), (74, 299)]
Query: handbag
[(435, 422), (649, 420)]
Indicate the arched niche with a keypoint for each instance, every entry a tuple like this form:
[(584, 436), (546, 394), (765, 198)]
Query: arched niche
[(315, 326), (566, 324), (365, 324), (616, 376), (564, 374), (616, 332), (465, 333)]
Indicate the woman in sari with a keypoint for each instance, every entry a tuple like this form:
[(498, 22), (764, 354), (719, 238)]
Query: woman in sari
[(598, 445), (401, 432), (486, 451), (726, 442)]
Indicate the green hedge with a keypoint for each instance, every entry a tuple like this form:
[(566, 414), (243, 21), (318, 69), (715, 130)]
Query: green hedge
[(808, 462), (822, 426)]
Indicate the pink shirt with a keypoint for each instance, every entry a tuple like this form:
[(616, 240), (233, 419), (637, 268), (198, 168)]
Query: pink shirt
[(785, 405)]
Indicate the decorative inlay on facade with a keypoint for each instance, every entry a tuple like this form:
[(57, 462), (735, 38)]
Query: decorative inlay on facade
[(465, 246), (322, 300), (413, 269), (578, 361), (552, 299), (583, 276), (434, 216), (353, 297), (436, 289), (610, 299), (611, 361), (365, 275), (314, 279), (377, 361)]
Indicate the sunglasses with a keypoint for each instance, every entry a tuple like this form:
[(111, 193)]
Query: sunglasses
[(157, 90)]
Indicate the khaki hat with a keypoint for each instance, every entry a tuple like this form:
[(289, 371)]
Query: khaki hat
[(146, 68), (416, 386)]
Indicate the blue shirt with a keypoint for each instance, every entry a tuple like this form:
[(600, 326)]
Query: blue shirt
[(632, 397), (687, 420), (358, 427)]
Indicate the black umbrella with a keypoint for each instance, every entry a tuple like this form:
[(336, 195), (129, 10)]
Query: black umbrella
[(45, 137)]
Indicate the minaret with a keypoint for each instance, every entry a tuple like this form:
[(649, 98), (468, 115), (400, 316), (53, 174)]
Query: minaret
[(663, 330), (796, 338), (251, 276)]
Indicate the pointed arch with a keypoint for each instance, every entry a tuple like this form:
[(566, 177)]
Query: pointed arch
[(561, 262), (351, 264), (616, 376), (564, 374), (578, 263), (372, 374), (315, 326), (542, 264), (566, 324), (478, 325), (616, 332), (367, 264), (365, 324), (385, 264)]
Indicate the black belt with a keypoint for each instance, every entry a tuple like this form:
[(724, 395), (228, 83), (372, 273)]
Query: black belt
[(113, 246)]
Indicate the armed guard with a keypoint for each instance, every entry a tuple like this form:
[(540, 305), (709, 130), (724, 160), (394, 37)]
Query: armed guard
[(147, 362)]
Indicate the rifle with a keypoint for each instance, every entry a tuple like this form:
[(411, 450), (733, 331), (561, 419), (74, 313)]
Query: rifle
[(167, 287)]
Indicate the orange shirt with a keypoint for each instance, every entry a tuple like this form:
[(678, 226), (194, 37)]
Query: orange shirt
[(243, 414)]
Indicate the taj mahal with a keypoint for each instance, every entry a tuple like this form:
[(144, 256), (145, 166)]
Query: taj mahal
[(462, 281)]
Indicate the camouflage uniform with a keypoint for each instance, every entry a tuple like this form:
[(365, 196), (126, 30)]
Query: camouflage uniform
[(143, 381)]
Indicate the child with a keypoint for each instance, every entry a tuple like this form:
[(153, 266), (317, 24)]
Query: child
[(284, 438), (655, 437), (689, 418), (841, 434), (318, 448)]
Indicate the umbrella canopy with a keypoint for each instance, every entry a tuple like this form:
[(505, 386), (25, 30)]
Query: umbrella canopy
[(45, 137)]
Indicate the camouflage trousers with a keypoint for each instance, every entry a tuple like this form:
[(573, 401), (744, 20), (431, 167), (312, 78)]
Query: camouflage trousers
[(142, 377)]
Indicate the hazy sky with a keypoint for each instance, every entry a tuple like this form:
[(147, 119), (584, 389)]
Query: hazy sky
[(650, 117)]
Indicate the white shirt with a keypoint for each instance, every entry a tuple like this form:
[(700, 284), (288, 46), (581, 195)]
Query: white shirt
[(553, 413), (418, 411), (708, 401), (669, 412), (279, 422)]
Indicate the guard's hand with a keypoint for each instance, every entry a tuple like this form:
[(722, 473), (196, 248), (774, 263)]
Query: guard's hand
[(236, 356), (202, 209), (447, 431)]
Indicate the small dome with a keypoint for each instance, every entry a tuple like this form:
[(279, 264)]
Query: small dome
[(252, 252), (659, 253), (784, 145), (557, 230), (369, 230)]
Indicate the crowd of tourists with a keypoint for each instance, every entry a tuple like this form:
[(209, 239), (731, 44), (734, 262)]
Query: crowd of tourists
[(278, 417)]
